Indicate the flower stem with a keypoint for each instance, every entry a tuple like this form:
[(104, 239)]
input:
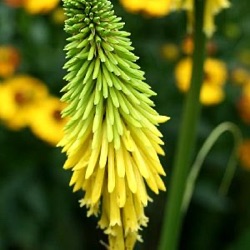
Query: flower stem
[(187, 137), (201, 156)]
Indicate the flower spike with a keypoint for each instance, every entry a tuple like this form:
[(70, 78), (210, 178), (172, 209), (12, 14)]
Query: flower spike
[(111, 140)]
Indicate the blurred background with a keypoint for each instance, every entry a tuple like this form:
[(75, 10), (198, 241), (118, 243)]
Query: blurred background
[(37, 207)]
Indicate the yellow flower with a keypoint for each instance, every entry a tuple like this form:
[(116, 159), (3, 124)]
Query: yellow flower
[(18, 95), (158, 8), (155, 8), (133, 6), (39, 6), (46, 122), (212, 7), (215, 75), (9, 61), (244, 154)]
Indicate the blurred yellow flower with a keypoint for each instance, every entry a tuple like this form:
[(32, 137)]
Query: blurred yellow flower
[(46, 121), (18, 95), (215, 75), (244, 154), (158, 8), (9, 60), (40, 6), (154, 8), (212, 7)]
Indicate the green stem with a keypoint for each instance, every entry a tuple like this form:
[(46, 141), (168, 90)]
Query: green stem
[(231, 168), (187, 137), (201, 156)]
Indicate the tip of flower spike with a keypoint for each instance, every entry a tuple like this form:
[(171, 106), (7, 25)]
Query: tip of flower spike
[(162, 118)]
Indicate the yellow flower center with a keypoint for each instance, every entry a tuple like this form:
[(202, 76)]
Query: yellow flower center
[(21, 98), (206, 77), (56, 114)]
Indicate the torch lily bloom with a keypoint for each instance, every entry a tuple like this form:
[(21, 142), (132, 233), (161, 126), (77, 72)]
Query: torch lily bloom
[(111, 140)]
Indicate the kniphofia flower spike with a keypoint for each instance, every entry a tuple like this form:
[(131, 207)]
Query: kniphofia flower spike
[(111, 140)]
